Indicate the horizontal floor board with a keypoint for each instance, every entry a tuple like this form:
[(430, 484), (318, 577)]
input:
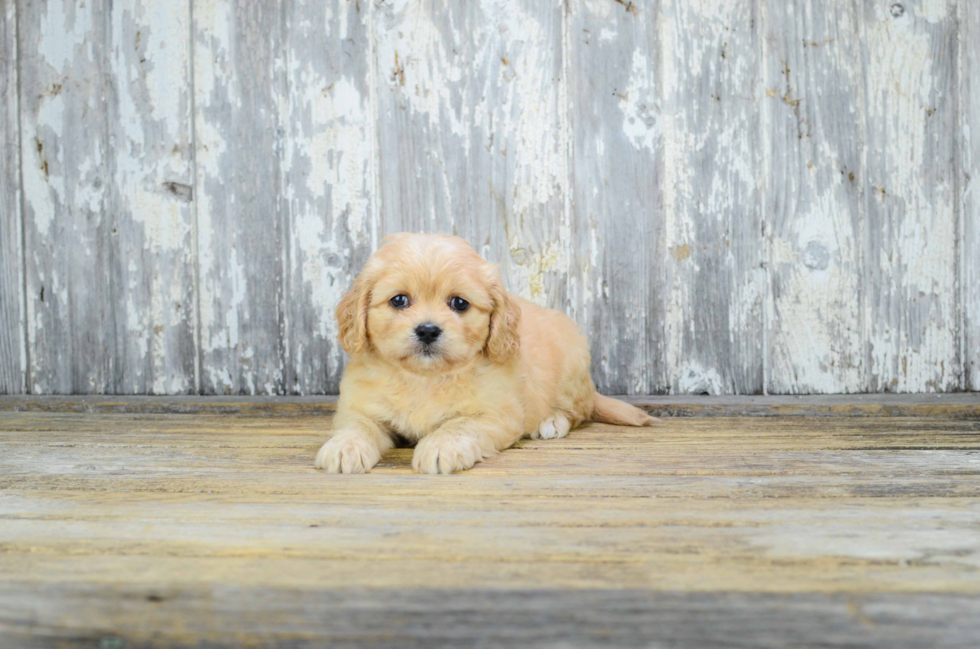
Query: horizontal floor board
[(167, 529), (85, 615)]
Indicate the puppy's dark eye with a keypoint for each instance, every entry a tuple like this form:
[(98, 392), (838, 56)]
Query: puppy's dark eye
[(458, 304), (399, 301)]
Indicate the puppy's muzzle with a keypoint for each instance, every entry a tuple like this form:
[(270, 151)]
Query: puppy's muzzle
[(427, 333)]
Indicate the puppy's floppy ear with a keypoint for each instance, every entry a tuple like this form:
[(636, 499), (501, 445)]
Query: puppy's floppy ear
[(505, 319), (352, 314)]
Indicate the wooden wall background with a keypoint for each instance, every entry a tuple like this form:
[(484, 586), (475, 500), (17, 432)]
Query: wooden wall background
[(733, 196)]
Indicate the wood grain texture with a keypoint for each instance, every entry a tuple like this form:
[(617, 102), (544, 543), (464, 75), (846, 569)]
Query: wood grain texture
[(13, 352), (558, 619), (909, 54), (470, 105), (617, 266), (68, 236), (150, 198), (183, 529), (814, 100), (329, 168), (107, 182), (715, 261), (968, 149), (239, 87)]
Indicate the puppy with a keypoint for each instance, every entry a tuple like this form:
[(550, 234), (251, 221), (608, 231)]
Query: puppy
[(442, 355)]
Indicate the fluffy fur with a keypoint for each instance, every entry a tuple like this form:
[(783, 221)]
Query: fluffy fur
[(502, 369)]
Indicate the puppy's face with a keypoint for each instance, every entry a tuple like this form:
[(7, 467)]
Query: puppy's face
[(428, 304), (430, 312)]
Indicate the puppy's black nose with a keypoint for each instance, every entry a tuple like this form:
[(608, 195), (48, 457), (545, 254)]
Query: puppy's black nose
[(427, 332)]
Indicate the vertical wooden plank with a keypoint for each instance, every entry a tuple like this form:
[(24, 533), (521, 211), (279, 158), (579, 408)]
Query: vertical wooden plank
[(814, 94), (238, 85), (65, 179), (910, 268), (715, 270), (968, 143), (471, 132), (13, 355), (152, 263), (329, 171), (106, 179), (617, 278)]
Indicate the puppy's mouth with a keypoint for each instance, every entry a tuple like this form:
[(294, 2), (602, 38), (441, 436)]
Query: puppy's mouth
[(428, 359), (417, 351), (428, 352)]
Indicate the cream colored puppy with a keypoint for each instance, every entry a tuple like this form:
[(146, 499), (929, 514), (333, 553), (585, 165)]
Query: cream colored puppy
[(442, 355)]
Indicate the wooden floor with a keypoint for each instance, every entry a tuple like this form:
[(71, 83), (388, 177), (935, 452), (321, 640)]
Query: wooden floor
[(153, 523)]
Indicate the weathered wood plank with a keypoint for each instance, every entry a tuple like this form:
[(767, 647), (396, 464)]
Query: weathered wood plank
[(177, 530), (809, 490), (110, 274), (845, 449), (66, 178), (84, 616), (149, 198), (968, 145), (329, 176), (238, 89), (13, 353), (580, 144), (471, 115), (816, 150), (618, 245), (715, 269), (909, 54)]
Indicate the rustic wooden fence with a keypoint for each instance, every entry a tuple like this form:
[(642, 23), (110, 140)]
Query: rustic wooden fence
[(730, 197)]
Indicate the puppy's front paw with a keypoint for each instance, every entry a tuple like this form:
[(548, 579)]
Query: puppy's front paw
[(446, 454), (348, 452)]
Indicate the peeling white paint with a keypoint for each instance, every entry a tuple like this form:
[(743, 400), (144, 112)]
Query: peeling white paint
[(337, 156), (496, 102), (44, 185), (916, 352), (536, 144), (714, 284), (418, 62), (641, 122), (329, 184), (694, 379), (528, 278), (933, 11), (64, 32), (968, 90)]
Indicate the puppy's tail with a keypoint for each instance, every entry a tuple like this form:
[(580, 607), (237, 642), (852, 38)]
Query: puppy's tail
[(613, 411)]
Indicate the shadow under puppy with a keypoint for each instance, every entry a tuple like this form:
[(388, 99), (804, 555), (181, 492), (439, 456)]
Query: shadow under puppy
[(442, 355)]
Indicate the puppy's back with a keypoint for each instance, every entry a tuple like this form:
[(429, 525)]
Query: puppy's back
[(555, 362)]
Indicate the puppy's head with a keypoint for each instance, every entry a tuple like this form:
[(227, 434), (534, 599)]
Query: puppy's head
[(429, 304)]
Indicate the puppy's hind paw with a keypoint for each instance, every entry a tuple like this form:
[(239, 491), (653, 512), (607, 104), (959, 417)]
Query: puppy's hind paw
[(348, 452), (554, 427)]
